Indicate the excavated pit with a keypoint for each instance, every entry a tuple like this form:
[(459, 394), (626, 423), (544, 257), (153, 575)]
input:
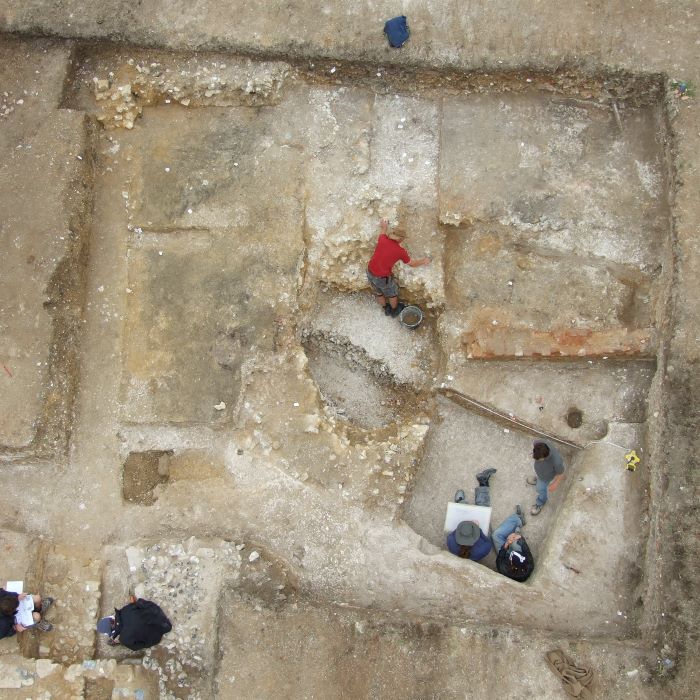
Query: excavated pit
[(142, 473), (350, 390), (238, 202)]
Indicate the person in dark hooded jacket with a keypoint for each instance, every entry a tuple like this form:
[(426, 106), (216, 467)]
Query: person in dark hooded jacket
[(138, 625), (513, 556)]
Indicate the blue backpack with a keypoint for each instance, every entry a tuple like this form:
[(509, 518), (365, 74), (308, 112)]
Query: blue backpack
[(396, 31)]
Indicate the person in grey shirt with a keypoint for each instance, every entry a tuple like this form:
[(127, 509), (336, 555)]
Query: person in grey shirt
[(549, 471)]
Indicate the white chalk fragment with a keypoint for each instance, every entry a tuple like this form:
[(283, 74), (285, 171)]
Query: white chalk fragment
[(220, 406), (254, 556)]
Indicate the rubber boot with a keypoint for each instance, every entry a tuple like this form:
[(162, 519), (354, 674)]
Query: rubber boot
[(484, 476), (399, 308), (482, 496)]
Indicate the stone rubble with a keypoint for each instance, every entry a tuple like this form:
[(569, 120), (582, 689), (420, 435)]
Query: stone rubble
[(185, 580), (195, 82)]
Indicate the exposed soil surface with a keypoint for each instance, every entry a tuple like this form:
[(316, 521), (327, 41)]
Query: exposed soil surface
[(203, 405)]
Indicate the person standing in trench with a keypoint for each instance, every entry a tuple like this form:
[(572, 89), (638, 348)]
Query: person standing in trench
[(549, 471), (387, 253)]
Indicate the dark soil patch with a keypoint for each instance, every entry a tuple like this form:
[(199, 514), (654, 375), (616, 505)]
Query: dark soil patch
[(142, 472)]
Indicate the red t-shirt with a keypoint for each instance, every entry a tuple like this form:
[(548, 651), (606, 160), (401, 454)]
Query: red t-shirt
[(386, 254)]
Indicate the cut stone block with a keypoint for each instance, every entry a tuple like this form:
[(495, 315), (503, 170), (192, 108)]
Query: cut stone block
[(22, 678)]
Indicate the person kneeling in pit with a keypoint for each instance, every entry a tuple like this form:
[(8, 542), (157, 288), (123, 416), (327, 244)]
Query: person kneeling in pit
[(138, 625), (468, 540), (513, 556)]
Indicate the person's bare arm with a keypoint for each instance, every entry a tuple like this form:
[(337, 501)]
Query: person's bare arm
[(554, 483), (383, 226), (419, 262)]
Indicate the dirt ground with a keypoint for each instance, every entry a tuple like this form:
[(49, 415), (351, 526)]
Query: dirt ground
[(202, 404)]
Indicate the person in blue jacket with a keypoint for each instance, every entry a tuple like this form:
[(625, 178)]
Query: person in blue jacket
[(468, 540)]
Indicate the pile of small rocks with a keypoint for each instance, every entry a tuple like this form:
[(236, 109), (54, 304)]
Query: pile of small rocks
[(8, 103), (120, 108), (185, 579), (130, 86)]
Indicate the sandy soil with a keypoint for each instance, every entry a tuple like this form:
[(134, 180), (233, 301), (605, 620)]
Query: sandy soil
[(212, 412)]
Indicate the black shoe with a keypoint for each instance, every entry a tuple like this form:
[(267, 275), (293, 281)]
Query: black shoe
[(484, 476), (519, 512), (46, 603), (399, 308), (387, 309)]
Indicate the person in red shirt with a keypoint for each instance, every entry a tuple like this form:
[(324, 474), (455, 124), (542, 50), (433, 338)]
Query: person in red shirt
[(386, 254)]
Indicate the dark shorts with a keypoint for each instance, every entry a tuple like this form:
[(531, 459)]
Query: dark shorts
[(383, 286)]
